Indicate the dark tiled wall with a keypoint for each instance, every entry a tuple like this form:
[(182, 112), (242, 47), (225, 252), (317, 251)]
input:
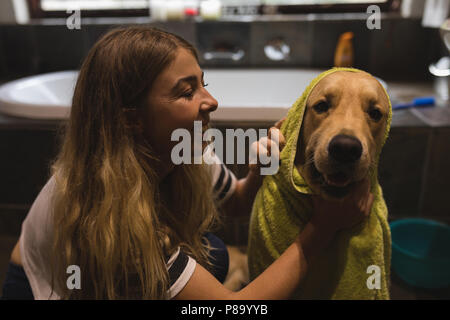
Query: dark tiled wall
[(58, 48), (40, 48), (402, 49), (19, 50), (24, 165), (3, 69), (435, 199), (402, 168)]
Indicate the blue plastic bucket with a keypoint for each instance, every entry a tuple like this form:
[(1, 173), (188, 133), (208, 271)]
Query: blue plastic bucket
[(421, 252)]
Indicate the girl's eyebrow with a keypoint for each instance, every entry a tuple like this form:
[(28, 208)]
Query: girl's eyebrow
[(188, 79)]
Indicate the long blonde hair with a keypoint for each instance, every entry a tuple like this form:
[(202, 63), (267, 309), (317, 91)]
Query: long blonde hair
[(109, 216)]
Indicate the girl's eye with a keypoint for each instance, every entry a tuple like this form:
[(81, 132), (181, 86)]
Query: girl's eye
[(188, 94), (321, 107)]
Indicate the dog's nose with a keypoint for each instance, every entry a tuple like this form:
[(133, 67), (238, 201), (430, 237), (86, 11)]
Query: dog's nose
[(345, 149)]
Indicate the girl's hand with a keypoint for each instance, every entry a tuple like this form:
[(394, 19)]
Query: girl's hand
[(337, 215), (267, 146), (241, 202)]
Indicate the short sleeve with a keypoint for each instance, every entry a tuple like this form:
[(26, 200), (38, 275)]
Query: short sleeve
[(180, 267), (223, 179)]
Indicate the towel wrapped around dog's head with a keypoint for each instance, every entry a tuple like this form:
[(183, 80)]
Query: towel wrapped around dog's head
[(283, 207), (291, 131)]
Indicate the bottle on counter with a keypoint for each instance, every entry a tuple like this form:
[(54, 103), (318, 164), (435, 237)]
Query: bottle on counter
[(344, 55)]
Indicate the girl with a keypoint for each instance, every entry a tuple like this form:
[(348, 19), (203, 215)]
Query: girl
[(115, 206)]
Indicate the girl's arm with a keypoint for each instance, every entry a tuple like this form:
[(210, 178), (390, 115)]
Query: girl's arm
[(283, 276), (277, 282)]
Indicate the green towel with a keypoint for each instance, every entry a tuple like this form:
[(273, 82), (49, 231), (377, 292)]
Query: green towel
[(282, 208)]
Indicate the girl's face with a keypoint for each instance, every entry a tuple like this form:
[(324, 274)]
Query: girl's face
[(177, 99)]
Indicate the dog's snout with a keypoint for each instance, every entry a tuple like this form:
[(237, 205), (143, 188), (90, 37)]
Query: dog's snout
[(345, 149)]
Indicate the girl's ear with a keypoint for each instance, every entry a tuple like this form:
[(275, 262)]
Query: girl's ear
[(134, 119)]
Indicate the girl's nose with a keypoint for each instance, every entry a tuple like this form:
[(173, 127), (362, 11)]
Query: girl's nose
[(209, 104)]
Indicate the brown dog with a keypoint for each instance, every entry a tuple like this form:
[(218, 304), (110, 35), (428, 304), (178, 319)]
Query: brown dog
[(342, 132), (334, 134)]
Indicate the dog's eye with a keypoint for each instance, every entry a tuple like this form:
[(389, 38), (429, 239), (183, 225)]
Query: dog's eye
[(321, 107), (375, 114)]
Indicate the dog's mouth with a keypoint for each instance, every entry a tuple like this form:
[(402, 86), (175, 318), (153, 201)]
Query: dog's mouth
[(338, 179), (336, 184)]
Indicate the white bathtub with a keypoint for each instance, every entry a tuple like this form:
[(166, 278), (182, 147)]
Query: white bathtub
[(243, 94), (44, 96)]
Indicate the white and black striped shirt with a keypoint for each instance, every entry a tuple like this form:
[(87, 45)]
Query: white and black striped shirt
[(36, 238), (181, 266)]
